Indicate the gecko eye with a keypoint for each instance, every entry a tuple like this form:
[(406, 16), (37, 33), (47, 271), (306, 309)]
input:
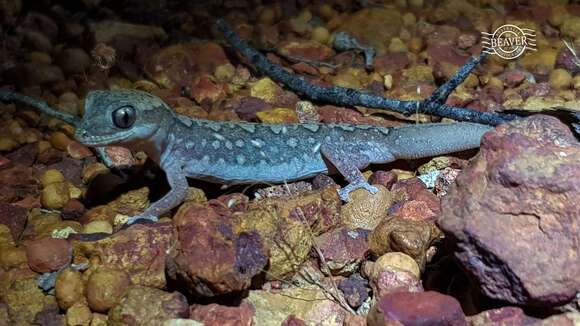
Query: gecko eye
[(124, 117)]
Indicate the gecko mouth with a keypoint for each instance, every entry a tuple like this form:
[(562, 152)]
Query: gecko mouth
[(83, 138)]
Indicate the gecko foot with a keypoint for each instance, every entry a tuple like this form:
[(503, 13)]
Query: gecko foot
[(143, 219), (344, 192)]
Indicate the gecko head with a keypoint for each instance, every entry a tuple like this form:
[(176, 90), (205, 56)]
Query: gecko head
[(121, 116)]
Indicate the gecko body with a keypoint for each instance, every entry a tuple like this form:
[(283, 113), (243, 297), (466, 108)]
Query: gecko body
[(238, 152)]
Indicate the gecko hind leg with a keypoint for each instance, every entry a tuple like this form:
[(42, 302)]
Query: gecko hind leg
[(349, 165)]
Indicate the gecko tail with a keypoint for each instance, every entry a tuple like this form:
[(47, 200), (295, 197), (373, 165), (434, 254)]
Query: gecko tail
[(7, 96)]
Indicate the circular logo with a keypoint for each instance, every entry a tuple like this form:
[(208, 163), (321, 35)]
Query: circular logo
[(509, 41)]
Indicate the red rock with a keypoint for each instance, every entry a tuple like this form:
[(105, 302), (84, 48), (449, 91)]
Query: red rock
[(78, 150), (415, 210), (73, 210), (567, 61), (410, 187), (443, 35), (395, 280), (14, 217), (47, 254), (25, 155), (50, 316), (139, 250), (209, 258), (18, 182), (355, 289), (218, 315), (391, 62), (384, 178), (304, 68), (71, 169), (249, 106), (293, 321), (330, 114), (322, 181), (438, 54), (205, 89), (343, 250), (416, 309), (120, 156), (5, 163), (514, 78), (50, 156), (510, 218), (502, 316), (465, 40)]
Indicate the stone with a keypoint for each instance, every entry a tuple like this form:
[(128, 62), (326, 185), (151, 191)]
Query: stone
[(104, 287), (492, 218), (366, 210), (141, 305), (73, 61), (215, 314), (514, 78), (278, 115), (78, 315), (343, 250), (24, 300), (560, 79), (404, 235), (355, 289), (210, 258), (249, 106), (385, 178), (47, 254), (502, 316), (393, 279), (69, 288), (14, 218), (389, 261), (309, 304), (416, 309), (140, 251), (128, 204)]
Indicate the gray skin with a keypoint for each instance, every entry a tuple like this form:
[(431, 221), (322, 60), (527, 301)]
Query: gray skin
[(242, 152)]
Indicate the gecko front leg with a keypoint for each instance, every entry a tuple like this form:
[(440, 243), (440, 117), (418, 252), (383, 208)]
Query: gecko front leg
[(179, 187), (348, 160)]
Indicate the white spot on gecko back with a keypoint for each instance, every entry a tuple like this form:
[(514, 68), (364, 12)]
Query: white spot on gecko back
[(240, 143), (257, 142), (292, 142), (215, 144), (249, 127)]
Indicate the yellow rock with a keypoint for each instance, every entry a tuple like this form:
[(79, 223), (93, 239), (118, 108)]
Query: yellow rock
[(25, 299), (266, 90), (92, 170), (68, 288), (326, 12), (538, 103), (8, 143), (78, 314), (570, 27), (59, 140), (417, 75), (388, 81), (320, 34), (560, 79), (397, 45), (98, 226), (415, 45), (350, 78), (278, 115), (558, 15), (576, 82), (403, 174), (55, 195), (12, 257), (409, 19), (225, 72), (6, 238), (365, 210), (437, 163), (73, 191), (51, 176), (471, 81), (396, 260), (145, 85)]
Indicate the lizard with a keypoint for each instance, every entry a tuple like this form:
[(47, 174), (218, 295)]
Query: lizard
[(245, 152)]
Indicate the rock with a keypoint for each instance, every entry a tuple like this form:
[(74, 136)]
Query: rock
[(141, 305), (25, 155), (72, 210), (180, 65), (330, 114), (444, 181), (423, 207), (560, 79), (129, 204), (392, 279), (571, 27), (215, 314), (309, 304), (390, 63), (78, 151), (385, 178), (439, 54), (47, 254), (208, 90), (140, 251), (320, 34), (365, 210), (249, 106), (78, 315), (416, 308), (407, 236), (311, 50), (55, 195), (389, 261), (108, 31), (266, 90), (502, 316), (37, 41), (210, 258), (567, 61), (73, 61), (14, 218), (514, 78), (35, 73), (104, 287), (368, 23), (285, 190), (355, 289), (566, 319), (69, 288), (492, 226), (49, 316), (278, 115), (98, 227), (343, 250), (24, 300), (121, 157)]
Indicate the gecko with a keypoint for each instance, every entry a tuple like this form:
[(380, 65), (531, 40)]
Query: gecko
[(246, 152)]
